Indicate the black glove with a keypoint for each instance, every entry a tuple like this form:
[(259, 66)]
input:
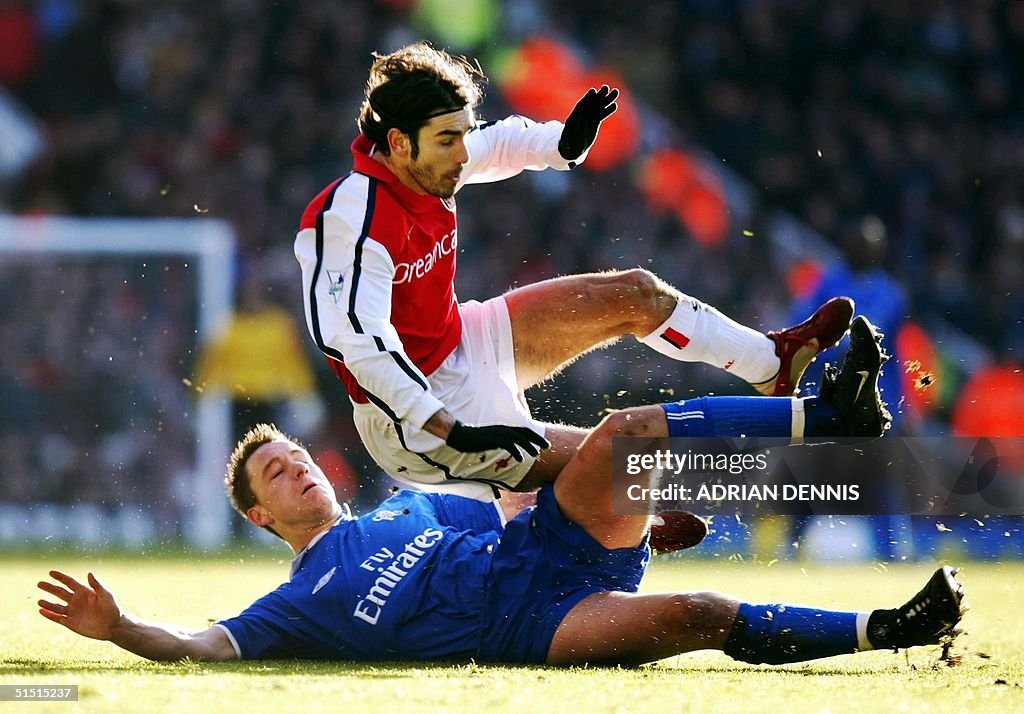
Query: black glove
[(584, 120), (470, 439)]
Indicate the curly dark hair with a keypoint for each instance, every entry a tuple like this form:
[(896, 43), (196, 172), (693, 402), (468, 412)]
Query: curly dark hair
[(411, 86)]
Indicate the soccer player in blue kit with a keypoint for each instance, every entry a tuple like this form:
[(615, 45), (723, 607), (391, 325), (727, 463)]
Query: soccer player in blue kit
[(443, 577)]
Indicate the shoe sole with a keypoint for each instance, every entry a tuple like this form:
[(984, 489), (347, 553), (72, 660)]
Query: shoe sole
[(955, 589), (862, 331), (956, 592)]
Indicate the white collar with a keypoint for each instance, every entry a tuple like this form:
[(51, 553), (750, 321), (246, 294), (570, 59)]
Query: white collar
[(346, 515)]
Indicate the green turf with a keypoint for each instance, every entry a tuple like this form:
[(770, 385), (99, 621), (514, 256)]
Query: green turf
[(192, 592)]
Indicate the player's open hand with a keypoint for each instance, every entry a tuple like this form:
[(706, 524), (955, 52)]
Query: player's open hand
[(584, 120), (472, 439), (91, 610)]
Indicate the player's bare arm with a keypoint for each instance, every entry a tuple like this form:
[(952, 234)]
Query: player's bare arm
[(91, 611), (440, 424)]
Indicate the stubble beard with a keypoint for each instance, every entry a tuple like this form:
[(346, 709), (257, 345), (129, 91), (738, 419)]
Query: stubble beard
[(432, 185)]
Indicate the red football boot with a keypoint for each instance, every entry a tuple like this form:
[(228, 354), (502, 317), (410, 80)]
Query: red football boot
[(797, 346), (676, 530)]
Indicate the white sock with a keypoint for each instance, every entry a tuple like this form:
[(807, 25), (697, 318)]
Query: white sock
[(696, 332), (798, 423), (863, 643)]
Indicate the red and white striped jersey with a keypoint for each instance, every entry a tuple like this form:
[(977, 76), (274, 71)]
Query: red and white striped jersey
[(378, 267)]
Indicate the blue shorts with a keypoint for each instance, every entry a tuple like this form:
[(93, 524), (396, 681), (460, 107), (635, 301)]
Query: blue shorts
[(544, 565)]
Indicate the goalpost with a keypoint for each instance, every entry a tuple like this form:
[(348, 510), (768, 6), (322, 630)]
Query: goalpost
[(77, 250)]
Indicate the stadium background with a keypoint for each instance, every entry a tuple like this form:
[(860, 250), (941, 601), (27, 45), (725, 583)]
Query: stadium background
[(764, 153)]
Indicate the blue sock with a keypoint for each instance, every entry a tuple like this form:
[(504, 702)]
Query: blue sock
[(822, 419), (730, 416), (779, 634), (751, 416)]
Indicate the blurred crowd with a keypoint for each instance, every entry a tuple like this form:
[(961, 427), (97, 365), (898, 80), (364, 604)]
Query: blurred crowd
[(912, 112), (93, 408), (908, 113)]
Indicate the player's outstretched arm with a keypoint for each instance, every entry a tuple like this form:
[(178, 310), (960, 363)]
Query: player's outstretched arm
[(91, 611), (502, 149)]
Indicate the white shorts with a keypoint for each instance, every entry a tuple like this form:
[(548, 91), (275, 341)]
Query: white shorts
[(477, 383)]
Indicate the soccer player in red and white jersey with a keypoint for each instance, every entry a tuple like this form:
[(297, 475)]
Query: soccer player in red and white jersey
[(437, 386)]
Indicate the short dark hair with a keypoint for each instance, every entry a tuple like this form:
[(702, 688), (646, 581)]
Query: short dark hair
[(411, 86), (236, 481)]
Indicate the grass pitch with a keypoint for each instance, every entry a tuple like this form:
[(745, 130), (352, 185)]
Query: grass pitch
[(193, 591)]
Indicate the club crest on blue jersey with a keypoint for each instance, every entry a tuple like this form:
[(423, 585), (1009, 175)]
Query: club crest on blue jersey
[(324, 580)]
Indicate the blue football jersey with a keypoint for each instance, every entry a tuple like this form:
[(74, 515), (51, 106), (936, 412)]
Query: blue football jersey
[(406, 580)]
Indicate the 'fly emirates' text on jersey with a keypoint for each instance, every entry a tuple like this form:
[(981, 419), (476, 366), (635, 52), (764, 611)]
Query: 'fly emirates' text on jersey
[(406, 578), (378, 267)]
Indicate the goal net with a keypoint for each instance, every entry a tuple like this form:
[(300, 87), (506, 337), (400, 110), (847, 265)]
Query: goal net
[(104, 440)]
